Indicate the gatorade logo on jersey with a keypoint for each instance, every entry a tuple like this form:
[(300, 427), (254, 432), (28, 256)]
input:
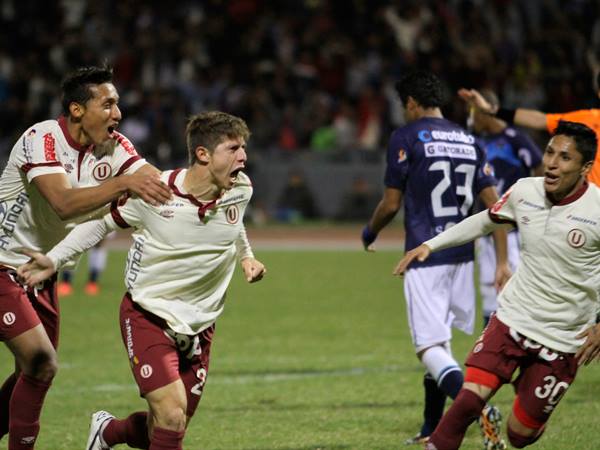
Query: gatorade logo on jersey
[(9, 318), (102, 171), (232, 213), (576, 238)]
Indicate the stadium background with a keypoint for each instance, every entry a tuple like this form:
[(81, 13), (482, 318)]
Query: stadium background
[(317, 355)]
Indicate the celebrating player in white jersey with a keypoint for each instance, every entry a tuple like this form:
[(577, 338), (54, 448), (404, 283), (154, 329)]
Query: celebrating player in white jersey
[(545, 323), (178, 270), (58, 171)]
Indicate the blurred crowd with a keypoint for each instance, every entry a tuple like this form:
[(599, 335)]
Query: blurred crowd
[(307, 75)]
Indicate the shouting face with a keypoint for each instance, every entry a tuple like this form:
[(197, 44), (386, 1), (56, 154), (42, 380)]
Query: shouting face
[(564, 170), (100, 115)]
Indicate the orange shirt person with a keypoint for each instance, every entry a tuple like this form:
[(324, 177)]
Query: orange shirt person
[(539, 120)]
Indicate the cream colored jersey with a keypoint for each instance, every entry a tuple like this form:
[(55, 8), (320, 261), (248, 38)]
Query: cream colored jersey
[(26, 217), (553, 295), (184, 252)]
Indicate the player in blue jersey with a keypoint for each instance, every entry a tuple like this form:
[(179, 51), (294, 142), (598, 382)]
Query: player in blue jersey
[(513, 155), (436, 168)]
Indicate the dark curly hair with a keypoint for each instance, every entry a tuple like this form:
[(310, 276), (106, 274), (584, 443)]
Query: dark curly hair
[(76, 85), (424, 87), (585, 138)]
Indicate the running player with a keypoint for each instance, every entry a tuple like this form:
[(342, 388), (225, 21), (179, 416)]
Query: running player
[(178, 271), (545, 323)]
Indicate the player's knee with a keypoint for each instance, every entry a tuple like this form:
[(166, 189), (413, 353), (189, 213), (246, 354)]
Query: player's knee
[(519, 440), (170, 418), (43, 366)]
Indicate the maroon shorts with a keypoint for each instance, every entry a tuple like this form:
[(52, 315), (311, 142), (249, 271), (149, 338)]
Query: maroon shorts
[(23, 309), (159, 356), (544, 375)]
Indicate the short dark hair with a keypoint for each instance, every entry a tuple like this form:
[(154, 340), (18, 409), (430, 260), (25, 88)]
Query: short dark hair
[(585, 138), (76, 85), (209, 129), (424, 87)]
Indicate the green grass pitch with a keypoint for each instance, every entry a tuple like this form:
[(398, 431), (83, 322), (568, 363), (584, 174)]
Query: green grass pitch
[(316, 356)]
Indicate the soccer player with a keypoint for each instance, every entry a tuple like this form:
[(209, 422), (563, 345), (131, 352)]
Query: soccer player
[(543, 121), (58, 171), (435, 166), (178, 270), (545, 322), (512, 155)]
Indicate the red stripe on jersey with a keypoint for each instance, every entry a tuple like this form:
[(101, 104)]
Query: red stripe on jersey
[(202, 207), (49, 147), (116, 215), (126, 143), (127, 164), (62, 123), (497, 219), (27, 167)]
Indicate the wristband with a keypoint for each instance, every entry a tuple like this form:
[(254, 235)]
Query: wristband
[(506, 114), (368, 237)]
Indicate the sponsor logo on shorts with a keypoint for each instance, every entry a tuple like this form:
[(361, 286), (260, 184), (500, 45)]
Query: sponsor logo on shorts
[(232, 213), (27, 440), (102, 171), (9, 318), (478, 347), (129, 338), (146, 371), (576, 238)]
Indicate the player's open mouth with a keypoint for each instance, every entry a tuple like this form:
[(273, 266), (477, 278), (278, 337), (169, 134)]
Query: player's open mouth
[(111, 130), (233, 175), (550, 178)]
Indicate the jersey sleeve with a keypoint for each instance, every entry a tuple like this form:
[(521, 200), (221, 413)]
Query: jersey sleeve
[(39, 154), (484, 175), (398, 161), (503, 211), (125, 213), (581, 116), (527, 150), (126, 159)]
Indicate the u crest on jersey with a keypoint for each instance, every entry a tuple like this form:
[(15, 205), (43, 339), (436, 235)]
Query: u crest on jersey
[(102, 171), (232, 213), (576, 238)]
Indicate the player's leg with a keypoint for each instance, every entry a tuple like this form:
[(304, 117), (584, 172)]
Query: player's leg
[(539, 389), (486, 260), (490, 364), (427, 295), (65, 285), (26, 319), (97, 263)]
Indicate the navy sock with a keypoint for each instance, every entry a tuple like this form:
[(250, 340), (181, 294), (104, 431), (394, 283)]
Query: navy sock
[(451, 381), (435, 400)]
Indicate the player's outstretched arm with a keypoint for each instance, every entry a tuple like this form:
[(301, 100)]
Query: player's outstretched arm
[(253, 269), (81, 238), (529, 118), (590, 349), (420, 253), (69, 202)]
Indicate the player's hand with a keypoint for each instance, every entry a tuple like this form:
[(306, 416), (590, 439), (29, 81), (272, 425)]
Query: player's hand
[(421, 253), (590, 349), (148, 186), (253, 269), (368, 237), (503, 274), (475, 99), (38, 269)]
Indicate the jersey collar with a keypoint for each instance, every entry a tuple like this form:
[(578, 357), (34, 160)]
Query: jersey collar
[(571, 198), (202, 206), (62, 122)]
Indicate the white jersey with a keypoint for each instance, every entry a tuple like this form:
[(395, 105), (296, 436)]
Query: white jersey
[(26, 217), (184, 252), (553, 295)]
